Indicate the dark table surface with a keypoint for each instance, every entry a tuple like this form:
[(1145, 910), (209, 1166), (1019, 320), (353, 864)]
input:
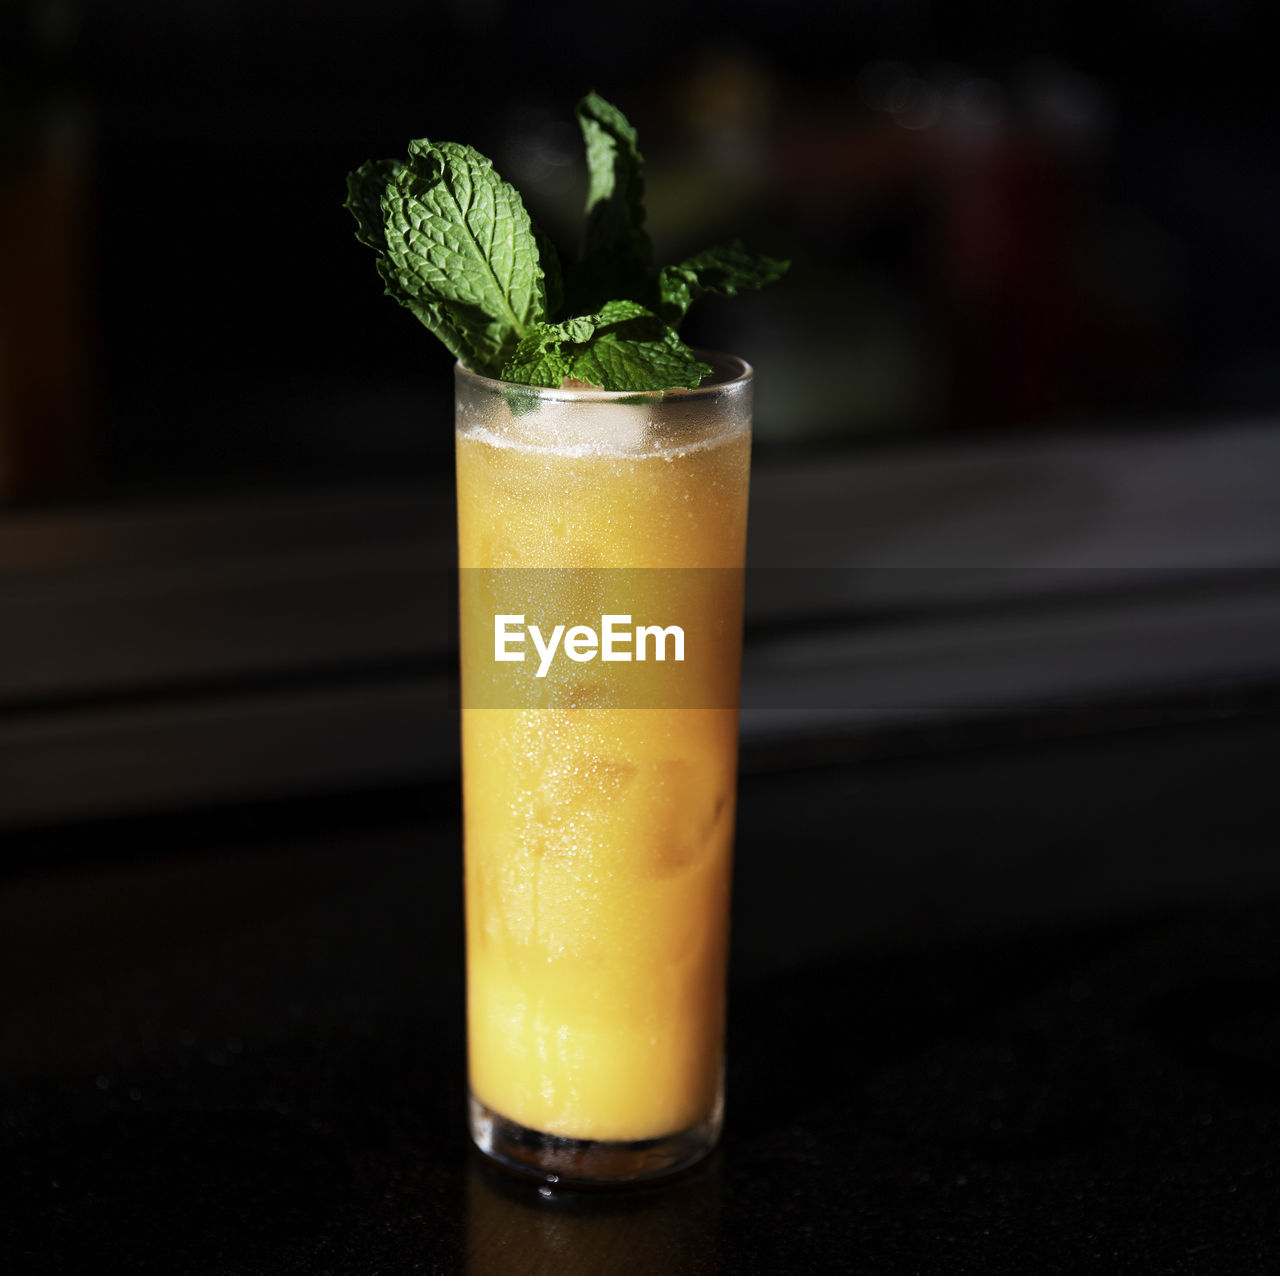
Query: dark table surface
[(1002, 1010)]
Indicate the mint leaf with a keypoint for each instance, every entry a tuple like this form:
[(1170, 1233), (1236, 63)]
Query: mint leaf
[(461, 252), (635, 350), (552, 275), (615, 194), (364, 200), (723, 270), (365, 189), (621, 347), (541, 358), (616, 252), (456, 247), (436, 317)]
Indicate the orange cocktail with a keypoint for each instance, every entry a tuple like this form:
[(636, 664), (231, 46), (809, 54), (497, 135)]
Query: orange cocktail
[(599, 811)]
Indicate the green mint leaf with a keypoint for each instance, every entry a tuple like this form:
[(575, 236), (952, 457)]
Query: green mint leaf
[(622, 346), (616, 252), (633, 349), (461, 252), (541, 357), (437, 318), (723, 270), (365, 189), (615, 194), (521, 400), (552, 275), (456, 247), (676, 286), (364, 200)]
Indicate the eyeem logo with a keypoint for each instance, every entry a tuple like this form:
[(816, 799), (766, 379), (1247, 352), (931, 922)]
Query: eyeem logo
[(614, 641)]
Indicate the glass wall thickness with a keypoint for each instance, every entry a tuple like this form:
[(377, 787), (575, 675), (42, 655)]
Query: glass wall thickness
[(599, 834)]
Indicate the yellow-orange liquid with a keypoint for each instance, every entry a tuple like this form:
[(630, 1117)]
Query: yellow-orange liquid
[(598, 841)]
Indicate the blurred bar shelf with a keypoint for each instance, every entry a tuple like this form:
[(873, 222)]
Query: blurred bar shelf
[(158, 657)]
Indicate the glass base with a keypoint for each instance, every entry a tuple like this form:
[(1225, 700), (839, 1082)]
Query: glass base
[(553, 1159)]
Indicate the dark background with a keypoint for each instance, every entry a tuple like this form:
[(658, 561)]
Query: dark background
[(998, 217)]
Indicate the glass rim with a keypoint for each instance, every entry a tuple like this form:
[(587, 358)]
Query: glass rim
[(737, 373)]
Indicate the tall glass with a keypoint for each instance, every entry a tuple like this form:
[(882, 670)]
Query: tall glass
[(599, 794)]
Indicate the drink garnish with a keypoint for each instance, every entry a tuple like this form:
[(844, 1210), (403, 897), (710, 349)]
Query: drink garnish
[(456, 247)]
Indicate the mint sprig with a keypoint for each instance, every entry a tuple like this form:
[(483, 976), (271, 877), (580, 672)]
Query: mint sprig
[(723, 270), (617, 255), (456, 247), (622, 346)]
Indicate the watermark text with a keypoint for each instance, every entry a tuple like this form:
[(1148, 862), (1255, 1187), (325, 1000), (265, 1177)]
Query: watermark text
[(615, 640)]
